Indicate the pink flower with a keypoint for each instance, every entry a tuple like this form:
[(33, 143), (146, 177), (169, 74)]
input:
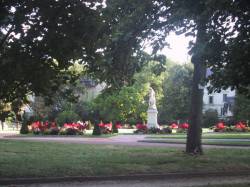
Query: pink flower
[(140, 126), (240, 125), (185, 126), (220, 125), (174, 126)]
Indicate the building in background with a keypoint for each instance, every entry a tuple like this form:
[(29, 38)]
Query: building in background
[(222, 102)]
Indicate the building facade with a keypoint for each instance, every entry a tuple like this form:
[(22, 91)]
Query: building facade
[(222, 102)]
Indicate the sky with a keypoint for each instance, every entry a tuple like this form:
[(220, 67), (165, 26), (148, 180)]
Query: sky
[(178, 50)]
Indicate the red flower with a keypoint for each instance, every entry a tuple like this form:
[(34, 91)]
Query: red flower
[(101, 124), (240, 125), (140, 126), (118, 125), (108, 126), (53, 125), (185, 126), (220, 125), (174, 126)]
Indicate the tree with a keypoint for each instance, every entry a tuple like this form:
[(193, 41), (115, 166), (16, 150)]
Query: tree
[(40, 39), (126, 105), (229, 46), (242, 108), (129, 104), (177, 92)]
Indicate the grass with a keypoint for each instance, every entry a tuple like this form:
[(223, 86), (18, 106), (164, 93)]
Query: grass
[(204, 141), (65, 136), (227, 185), (206, 136), (41, 159)]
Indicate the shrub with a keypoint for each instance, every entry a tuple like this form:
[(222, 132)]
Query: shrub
[(210, 118), (166, 130), (73, 131), (67, 117), (114, 128), (24, 129), (54, 131), (97, 130), (36, 131), (106, 128), (154, 130), (141, 129)]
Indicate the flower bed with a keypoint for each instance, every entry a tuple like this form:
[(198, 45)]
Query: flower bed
[(51, 128), (238, 127)]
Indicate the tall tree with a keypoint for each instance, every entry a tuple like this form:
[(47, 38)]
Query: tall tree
[(41, 39), (241, 108), (229, 46), (177, 93)]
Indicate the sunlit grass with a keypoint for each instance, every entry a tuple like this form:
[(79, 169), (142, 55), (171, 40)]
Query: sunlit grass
[(31, 159)]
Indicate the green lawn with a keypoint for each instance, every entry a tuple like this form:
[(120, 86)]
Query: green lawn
[(204, 141), (227, 185), (206, 136), (31, 159), (65, 136)]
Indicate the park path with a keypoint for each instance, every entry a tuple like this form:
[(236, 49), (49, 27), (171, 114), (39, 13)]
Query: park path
[(179, 182), (131, 140)]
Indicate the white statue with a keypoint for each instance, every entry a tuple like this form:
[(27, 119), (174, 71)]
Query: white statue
[(152, 100)]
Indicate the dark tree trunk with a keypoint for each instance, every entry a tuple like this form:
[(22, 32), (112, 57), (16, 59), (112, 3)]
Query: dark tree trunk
[(194, 133), (193, 145)]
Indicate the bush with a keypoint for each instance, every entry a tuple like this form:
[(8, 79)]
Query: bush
[(71, 131), (154, 130), (114, 128), (54, 131), (36, 131), (97, 130), (67, 117), (210, 118), (24, 129), (166, 130)]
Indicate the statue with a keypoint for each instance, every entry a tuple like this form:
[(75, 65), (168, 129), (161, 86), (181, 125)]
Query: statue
[(152, 110), (152, 100)]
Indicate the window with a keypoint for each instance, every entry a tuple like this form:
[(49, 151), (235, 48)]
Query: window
[(224, 97), (211, 100)]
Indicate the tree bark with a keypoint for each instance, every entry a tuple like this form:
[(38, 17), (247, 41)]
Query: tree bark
[(193, 144)]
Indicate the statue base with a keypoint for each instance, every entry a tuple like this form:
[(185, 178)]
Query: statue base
[(152, 118)]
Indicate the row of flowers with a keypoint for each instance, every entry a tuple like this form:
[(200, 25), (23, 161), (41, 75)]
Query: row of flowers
[(142, 128), (78, 128), (172, 126), (238, 127), (51, 128)]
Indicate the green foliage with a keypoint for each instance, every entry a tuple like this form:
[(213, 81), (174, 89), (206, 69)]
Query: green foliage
[(96, 130), (71, 131), (35, 39), (177, 93), (124, 105), (67, 117), (114, 129), (84, 110), (210, 118), (242, 108), (24, 128)]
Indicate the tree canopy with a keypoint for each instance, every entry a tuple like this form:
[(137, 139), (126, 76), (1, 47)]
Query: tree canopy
[(39, 40)]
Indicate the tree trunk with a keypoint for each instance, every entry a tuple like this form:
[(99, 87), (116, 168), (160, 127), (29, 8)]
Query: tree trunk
[(194, 133), (193, 145)]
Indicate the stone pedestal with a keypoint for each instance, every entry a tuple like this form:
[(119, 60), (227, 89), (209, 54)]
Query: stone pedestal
[(152, 118)]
